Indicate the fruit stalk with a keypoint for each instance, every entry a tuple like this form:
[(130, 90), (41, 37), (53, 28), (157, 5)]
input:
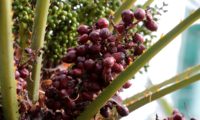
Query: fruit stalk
[(188, 73), (139, 63), (7, 78), (155, 95), (39, 26)]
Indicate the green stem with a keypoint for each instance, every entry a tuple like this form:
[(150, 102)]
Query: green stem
[(147, 3), (131, 70), (166, 107), (23, 40), (39, 26), (179, 77), (157, 94), (117, 15), (7, 77)]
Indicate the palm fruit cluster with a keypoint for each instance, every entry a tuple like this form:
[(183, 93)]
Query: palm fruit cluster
[(63, 19), (98, 58)]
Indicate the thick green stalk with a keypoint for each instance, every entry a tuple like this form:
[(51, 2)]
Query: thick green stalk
[(166, 107), (149, 97), (7, 76), (147, 3), (39, 26), (23, 40), (189, 72), (131, 70), (117, 15)]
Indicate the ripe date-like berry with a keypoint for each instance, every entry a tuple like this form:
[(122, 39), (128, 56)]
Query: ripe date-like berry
[(119, 56), (151, 25), (105, 112), (122, 110), (139, 50), (117, 68), (177, 116), (104, 33), (139, 14), (112, 38), (95, 49), (94, 36), (127, 16), (120, 28), (81, 50), (137, 38), (77, 72), (17, 74), (127, 85), (89, 64), (102, 23), (83, 29), (70, 56), (83, 39), (24, 73), (109, 61)]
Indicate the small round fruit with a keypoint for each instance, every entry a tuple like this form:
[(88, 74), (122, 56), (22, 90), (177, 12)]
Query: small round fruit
[(127, 16), (89, 64), (139, 14), (139, 50), (151, 25), (120, 28), (94, 36), (137, 38), (83, 29), (83, 39), (117, 68), (127, 85), (104, 33), (70, 56), (122, 110), (102, 23), (24, 73), (109, 61)]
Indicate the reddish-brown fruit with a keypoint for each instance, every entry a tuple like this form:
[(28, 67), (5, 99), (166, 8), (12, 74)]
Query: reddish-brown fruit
[(94, 36), (122, 110), (117, 68), (83, 39), (139, 50), (119, 56), (151, 25), (139, 14), (127, 16), (77, 72), (137, 38), (104, 33), (127, 85), (102, 23), (24, 73), (120, 28), (109, 61), (81, 50), (89, 64), (70, 56), (83, 29)]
